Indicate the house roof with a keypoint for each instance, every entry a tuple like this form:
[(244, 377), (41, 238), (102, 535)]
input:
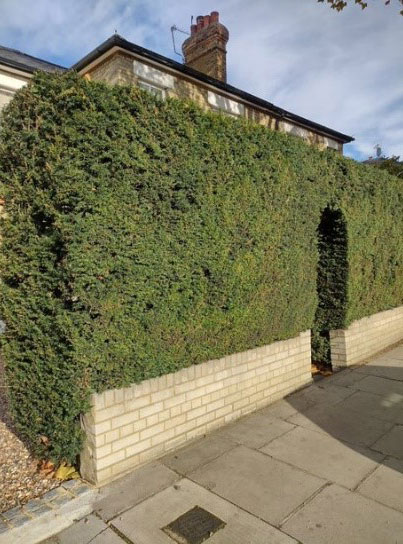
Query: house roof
[(118, 41), (27, 63)]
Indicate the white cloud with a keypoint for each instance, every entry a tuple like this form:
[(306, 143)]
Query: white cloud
[(342, 70), (68, 29)]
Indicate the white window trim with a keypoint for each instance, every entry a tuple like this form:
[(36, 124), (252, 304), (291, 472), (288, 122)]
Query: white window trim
[(152, 75), (225, 105)]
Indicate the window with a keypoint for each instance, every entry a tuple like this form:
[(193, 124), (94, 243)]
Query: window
[(225, 105), (153, 89), (153, 80)]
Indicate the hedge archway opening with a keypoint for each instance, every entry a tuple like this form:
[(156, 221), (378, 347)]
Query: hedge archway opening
[(332, 279)]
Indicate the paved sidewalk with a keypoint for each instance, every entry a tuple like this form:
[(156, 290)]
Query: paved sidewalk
[(324, 465)]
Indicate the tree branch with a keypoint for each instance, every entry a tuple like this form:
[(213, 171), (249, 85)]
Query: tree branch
[(339, 5)]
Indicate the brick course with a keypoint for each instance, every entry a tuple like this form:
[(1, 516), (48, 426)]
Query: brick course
[(128, 427), (366, 337)]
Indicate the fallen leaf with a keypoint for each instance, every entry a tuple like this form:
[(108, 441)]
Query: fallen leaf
[(45, 468), (66, 472)]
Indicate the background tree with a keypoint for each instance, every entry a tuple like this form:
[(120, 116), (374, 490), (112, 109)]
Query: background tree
[(339, 5), (392, 164)]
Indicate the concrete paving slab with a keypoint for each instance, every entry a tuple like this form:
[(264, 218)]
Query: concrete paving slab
[(263, 486), (395, 356), (338, 516), (281, 409), (343, 378), (385, 360), (106, 537), (386, 407), (382, 358), (132, 489), (390, 372), (197, 454), (81, 532), (256, 430), (334, 390), (324, 456), (314, 395), (395, 353), (340, 423), (143, 523), (385, 367), (391, 443), (380, 386), (385, 485)]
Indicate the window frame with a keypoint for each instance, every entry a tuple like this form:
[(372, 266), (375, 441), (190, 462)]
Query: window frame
[(149, 87)]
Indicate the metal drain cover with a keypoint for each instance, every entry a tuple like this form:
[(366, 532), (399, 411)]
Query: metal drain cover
[(194, 527)]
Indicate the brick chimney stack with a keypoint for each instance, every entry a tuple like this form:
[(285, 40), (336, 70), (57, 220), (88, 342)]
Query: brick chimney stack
[(205, 49)]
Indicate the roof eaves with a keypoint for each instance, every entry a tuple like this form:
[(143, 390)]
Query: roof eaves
[(24, 62), (17, 65)]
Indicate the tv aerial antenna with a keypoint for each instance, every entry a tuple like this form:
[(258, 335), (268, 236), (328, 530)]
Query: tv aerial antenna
[(174, 29)]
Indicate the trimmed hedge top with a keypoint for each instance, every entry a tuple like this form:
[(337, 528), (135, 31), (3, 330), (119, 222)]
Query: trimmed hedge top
[(144, 236)]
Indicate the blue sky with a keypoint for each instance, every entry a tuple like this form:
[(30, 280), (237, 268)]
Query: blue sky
[(342, 70)]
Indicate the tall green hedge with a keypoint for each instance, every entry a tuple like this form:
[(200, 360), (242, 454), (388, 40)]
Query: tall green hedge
[(145, 236)]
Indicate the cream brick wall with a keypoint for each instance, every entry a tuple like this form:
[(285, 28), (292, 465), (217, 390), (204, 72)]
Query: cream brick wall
[(127, 427), (366, 337)]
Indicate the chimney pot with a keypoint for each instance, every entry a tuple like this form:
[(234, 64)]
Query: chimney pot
[(214, 17)]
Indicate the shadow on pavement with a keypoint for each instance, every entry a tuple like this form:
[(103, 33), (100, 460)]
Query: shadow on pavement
[(362, 407)]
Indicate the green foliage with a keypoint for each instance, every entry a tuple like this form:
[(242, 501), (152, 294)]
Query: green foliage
[(144, 236), (393, 165), (339, 5)]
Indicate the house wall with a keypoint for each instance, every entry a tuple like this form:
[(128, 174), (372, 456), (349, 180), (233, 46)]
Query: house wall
[(366, 337), (118, 68), (128, 427), (5, 97), (10, 81)]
